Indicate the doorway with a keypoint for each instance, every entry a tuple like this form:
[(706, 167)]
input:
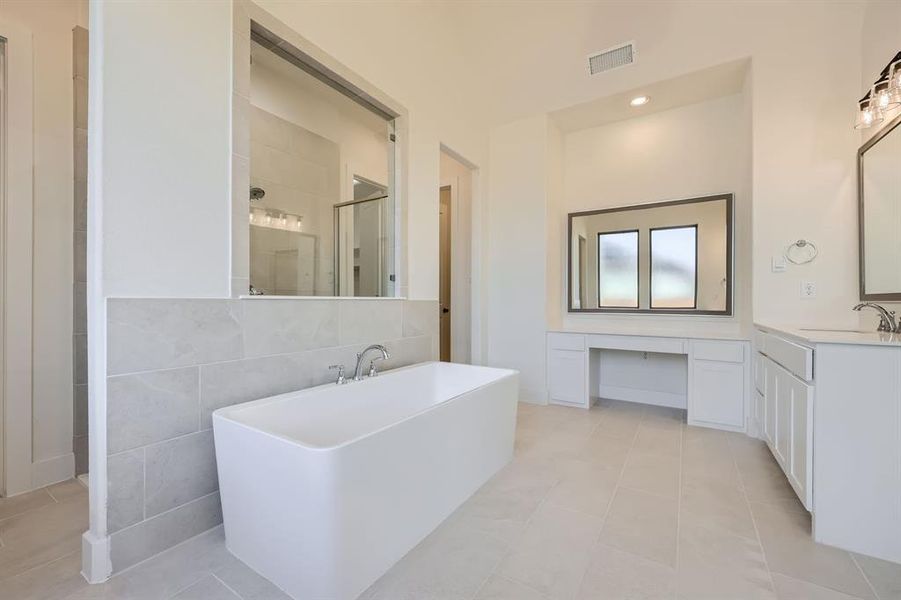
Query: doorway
[(444, 272), (455, 257)]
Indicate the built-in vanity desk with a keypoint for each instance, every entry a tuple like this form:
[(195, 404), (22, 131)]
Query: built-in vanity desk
[(829, 407), (709, 377)]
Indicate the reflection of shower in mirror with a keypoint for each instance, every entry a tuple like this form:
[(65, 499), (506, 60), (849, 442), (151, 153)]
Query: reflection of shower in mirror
[(257, 193)]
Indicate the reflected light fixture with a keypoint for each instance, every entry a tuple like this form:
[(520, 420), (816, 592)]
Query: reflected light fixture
[(884, 96), (869, 114), (640, 100)]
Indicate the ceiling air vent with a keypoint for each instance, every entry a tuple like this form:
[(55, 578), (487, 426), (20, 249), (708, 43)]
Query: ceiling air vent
[(612, 58)]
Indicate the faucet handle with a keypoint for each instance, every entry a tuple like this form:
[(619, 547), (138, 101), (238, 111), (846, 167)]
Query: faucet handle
[(372, 371), (341, 378)]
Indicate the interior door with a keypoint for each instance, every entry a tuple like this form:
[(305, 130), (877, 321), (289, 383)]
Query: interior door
[(444, 275)]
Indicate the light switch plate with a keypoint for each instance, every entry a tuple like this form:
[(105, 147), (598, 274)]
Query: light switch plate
[(778, 264), (808, 289)]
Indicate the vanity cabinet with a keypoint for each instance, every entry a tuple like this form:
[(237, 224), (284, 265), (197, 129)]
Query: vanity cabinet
[(567, 369), (717, 384), (783, 371), (715, 379)]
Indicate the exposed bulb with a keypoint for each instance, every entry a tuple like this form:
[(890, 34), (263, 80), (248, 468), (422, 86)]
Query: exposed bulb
[(268, 219), (284, 220)]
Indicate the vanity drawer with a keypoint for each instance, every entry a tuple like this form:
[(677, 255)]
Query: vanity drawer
[(733, 352), (566, 341), (637, 343), (760, 340), (794, 357)]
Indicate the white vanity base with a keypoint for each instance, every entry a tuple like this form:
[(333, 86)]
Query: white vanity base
[(708, 377), (323, 490)]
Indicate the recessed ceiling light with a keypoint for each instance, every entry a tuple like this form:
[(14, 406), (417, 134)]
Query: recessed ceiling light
[(640, 100)]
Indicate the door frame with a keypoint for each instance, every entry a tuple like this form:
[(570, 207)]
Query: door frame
[(16, 274)]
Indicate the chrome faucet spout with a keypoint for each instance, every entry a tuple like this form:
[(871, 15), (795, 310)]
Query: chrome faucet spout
[(358, 371), (887, 321)]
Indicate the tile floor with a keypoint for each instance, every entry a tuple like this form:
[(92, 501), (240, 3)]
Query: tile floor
[(619, 502)]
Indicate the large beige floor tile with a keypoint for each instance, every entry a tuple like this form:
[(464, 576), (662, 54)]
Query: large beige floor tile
[(67, 489), (884, 576), (616, 574), (501, 588), (585, 487), (642, 524), (605, 450), (659, 437), (16, 505), (52, 581), (791, 551), (717, 505), (652, 473), (619, 424), (39, 536), (553, 553), (208, 588), (451, 564), (795, 589), (716, 564)]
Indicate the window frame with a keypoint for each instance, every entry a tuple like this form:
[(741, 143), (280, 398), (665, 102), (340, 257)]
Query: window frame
[(729, 309), (651, 231), (637, 233)]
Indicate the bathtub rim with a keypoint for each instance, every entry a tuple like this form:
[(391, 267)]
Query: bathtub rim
[(224, 413)]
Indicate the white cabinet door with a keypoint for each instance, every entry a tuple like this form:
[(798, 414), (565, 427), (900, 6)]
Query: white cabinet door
[(800, 466), (566, 377), (769, 404), (788, 426), (717, 394)]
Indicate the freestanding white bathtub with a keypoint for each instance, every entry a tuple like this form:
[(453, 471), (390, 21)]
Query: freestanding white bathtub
[(324, 489)]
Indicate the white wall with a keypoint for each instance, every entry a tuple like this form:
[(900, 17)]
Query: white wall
[(517, 252), (805, 77), (688, 152), (51, 24), (166, 148)]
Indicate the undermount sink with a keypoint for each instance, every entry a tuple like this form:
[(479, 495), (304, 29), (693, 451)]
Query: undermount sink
[(835, 330)]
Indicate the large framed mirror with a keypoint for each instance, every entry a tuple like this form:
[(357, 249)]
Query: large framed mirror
[(879, 199), (670, 257)]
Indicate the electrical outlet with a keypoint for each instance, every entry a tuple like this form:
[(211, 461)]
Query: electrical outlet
[(808, 289)]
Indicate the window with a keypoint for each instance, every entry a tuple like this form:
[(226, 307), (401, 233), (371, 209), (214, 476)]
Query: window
[(618, 269), (674, 267)]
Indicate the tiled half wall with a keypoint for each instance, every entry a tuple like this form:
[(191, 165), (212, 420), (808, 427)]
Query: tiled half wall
[(172, 362)]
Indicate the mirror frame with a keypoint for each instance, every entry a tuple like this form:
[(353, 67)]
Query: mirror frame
[(892, 296), (730, 259)]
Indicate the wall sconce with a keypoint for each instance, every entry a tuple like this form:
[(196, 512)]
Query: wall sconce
[(885, 95)]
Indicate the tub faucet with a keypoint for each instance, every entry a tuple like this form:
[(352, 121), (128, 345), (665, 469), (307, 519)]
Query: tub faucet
[(358, 371), (886, 318)]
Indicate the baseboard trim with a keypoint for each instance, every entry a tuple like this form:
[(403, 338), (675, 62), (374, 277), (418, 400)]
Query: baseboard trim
[(655, 398), (96, 566), (52, 470)]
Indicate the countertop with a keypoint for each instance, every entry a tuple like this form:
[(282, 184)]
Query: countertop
[(811, 335), (650, 331)]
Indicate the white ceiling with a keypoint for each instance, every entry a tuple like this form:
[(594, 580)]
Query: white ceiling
[(715, 82)]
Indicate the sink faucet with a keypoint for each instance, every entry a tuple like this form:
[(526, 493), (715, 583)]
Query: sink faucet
[(886, 318), (358, 371)]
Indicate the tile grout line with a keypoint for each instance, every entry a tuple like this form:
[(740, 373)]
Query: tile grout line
[(679, 501), (40, 566), (744, 493), (864, 575), (509, 550), (228, 587), (616, 489)]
